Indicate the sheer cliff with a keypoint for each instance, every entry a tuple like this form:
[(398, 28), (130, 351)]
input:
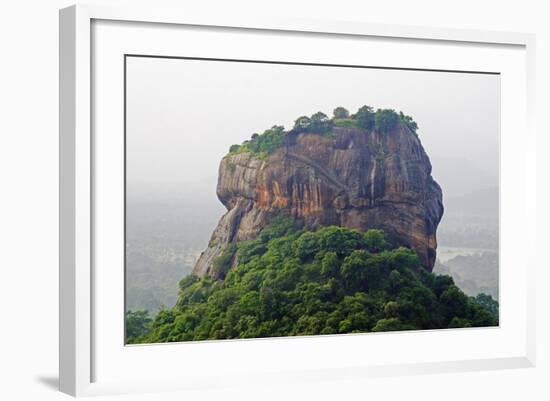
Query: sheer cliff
[(350, 177)]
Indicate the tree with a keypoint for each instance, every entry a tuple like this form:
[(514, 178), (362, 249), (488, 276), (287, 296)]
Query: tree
[(396, 281), (487, 302), (483, 318), (339, 239), (319, 123), (375, 240), (385, 120), (455, 301), (319, 117), (391, 309), (440, 283), (457, 322), (137, 324), (340, 112), (365, 117), (302, 123), (306, 246), (360, 271), (330, 264), (391, 324), (408, 121)]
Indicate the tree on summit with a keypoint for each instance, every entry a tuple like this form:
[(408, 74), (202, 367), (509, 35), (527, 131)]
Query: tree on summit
[(365, 117), (340, 112)]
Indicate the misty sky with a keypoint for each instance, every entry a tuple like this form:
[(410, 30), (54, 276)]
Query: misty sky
[(182, 115)]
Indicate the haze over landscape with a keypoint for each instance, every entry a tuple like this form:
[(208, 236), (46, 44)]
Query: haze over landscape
[(183, 115)]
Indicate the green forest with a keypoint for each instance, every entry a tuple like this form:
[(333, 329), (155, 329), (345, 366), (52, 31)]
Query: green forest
[(293, 282)]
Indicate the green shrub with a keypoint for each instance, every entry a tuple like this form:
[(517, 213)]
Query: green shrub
[(345, 122)]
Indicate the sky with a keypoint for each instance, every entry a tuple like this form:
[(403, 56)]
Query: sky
[(182, 116)]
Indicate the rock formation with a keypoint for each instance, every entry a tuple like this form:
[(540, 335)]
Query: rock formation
[(353, 177)]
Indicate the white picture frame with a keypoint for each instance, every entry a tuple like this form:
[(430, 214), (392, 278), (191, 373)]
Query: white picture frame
[(79, 314)]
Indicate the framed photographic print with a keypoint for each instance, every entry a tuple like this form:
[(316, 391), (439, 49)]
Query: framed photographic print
[(238, 194)]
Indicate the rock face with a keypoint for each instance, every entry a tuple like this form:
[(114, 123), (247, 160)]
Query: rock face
[(353, 178)]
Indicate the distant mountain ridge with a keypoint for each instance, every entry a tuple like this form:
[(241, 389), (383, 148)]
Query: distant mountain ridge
[(459, 176), (482, 202)]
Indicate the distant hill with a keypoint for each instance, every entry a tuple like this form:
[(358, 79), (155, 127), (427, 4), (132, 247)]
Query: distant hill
[(474, 274), (458, 177), (167, 229), (482, 202)]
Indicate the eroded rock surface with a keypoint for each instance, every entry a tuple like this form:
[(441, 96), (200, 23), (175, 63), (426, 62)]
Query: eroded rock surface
[(354, 178)]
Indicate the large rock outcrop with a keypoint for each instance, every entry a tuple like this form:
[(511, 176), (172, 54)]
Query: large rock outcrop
[(353, 178)]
